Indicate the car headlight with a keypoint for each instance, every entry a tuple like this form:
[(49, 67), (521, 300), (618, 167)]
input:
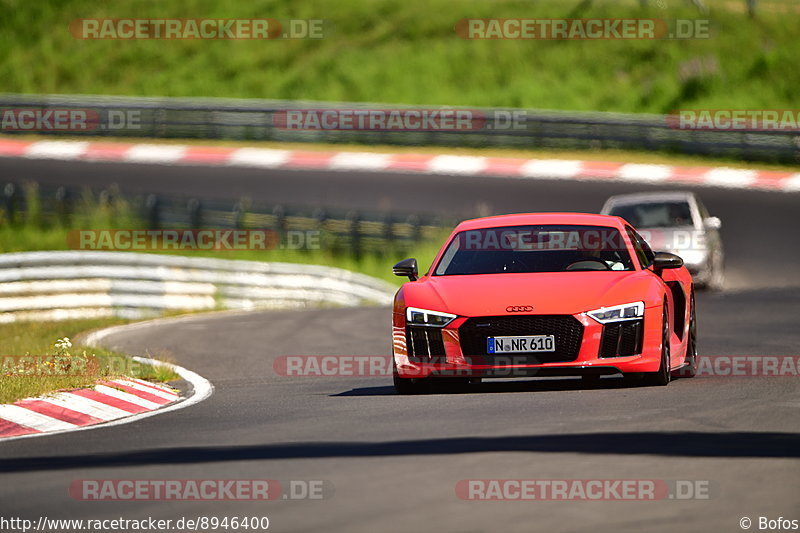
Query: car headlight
[(424, 317), (618, 313)]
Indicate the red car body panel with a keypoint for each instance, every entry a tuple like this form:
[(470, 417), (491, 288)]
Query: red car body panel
[(548, 293)]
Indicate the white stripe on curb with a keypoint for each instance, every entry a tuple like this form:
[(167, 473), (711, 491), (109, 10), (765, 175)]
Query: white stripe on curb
[(359, 161), (638, 172), (56, 150), (792, 183), (155, 153), (144, 388), (456, 164), (551, 168), (730, 177), (126, 397), (259, 157), (86, 406)]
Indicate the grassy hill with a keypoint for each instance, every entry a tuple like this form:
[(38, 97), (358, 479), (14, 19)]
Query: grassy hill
[(408, 52)]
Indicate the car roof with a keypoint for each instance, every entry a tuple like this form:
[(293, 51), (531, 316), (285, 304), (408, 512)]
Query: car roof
[(650, 197), (526, 219)]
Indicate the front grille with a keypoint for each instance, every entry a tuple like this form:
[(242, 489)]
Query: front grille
[(621, 339), (425, 344), (566, 329)]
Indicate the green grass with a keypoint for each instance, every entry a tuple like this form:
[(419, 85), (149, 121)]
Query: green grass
[(38, 338), (407, 52)]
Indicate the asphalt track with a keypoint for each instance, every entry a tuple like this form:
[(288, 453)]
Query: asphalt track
[(393, 462)]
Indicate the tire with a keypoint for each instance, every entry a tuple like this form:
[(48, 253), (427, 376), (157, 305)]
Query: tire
[(689, 369), (409, 386), (662, 376)]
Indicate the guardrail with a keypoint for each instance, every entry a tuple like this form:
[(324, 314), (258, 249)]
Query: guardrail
[(357, 232), (208, 118), (79, 284)]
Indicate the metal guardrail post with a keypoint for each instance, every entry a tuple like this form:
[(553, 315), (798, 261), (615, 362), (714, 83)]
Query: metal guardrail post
[(388, 231), (153, 208), (194, 210), (10, 202), (280, 220), (238, 215), (416, 228), (354, 224), (62, 206)]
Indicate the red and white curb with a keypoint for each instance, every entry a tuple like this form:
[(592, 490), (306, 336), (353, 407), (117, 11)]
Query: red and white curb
[(558, 169), (107, 403)]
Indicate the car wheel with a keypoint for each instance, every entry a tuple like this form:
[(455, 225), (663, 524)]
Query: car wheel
[(689, 370), (662, 376), (407, 386)]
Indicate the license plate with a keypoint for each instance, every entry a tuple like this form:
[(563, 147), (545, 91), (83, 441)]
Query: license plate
[(525, 344)]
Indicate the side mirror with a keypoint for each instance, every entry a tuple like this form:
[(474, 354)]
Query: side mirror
[(666, 260), (406, 267), (712, 223)]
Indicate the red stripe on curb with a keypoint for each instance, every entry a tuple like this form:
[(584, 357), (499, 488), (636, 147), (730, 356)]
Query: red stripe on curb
[(504, 166), (10, 429), (310, 159), (771, 180), (154, 386), (106, 151), (598, 169), (14, 148), (136, 392), (59, 413), (109, 400), (416, 162), (207, 154), (690, 175)]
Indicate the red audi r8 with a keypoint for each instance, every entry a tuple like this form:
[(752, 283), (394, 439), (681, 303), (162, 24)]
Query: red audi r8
[(546, 294)]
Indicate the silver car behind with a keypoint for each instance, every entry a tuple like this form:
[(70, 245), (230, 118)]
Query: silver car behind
[(676, 222)]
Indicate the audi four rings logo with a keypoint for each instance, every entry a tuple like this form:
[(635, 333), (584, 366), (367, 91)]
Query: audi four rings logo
[(519, 308)]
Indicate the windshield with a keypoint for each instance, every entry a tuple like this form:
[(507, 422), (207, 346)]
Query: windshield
[(544, 248), (655, 214)]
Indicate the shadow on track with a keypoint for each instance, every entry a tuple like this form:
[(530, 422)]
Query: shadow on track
[(515, 385), (684, 444)]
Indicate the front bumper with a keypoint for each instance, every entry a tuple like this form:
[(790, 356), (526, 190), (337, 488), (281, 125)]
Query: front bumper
[(446, 357)]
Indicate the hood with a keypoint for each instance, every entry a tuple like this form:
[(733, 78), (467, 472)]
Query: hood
[(548, 292)]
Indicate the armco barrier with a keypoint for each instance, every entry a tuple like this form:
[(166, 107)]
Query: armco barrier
[(79, 284), (218, 118)]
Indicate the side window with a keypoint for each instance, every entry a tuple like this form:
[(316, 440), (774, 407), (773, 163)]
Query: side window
[(640, 246), (649, 256)]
